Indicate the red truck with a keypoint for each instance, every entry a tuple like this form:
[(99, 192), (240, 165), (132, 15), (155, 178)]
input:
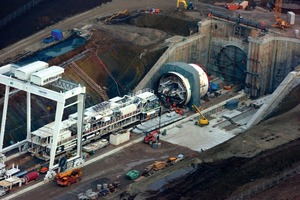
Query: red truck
[(152, 137)]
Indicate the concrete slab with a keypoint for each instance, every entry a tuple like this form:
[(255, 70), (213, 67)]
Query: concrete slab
[(231, 113), (218, 131), (196, 137)]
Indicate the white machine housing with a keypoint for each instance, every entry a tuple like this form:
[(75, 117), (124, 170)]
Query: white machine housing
[(204, 81), (47, 75), (24, 73)]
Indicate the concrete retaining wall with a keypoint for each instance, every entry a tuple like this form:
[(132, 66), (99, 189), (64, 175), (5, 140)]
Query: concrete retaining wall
[(269, 58)]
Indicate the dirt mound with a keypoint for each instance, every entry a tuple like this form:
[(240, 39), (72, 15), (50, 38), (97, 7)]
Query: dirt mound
[(136, 35), (170, 24)]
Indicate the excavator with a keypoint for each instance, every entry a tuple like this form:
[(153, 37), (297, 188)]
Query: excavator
[(187, 6), (203, 121), (280, 23)]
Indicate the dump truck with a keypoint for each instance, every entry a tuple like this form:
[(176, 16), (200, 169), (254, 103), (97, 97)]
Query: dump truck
[(69, 177)]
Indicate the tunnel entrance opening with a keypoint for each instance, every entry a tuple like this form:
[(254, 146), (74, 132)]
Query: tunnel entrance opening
[(232, 63)]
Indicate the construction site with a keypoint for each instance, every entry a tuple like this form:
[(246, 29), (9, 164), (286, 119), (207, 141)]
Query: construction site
[(152, 100)]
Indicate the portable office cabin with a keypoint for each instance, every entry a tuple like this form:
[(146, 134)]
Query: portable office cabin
[(25, 72), (47, 76)]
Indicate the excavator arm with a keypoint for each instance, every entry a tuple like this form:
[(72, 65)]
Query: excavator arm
[(203, 120)]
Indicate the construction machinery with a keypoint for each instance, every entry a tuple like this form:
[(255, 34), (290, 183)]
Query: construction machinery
[(203, 121), (154, 167), (152, 137), (187, 6), (31, 176), (280, 23), (175, 159), (68, 177)]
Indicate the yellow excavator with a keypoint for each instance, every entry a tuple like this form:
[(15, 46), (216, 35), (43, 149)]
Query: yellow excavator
[(203, 121), (187, 6)]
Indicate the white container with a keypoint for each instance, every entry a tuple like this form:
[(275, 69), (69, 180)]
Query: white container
[(46, 76), (297, 33), (291, 17), (25, 72), (116, 139), (128, 109), (99, 187)]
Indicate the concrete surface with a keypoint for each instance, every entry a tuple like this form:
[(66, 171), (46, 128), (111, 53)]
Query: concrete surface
[(196, 137)]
